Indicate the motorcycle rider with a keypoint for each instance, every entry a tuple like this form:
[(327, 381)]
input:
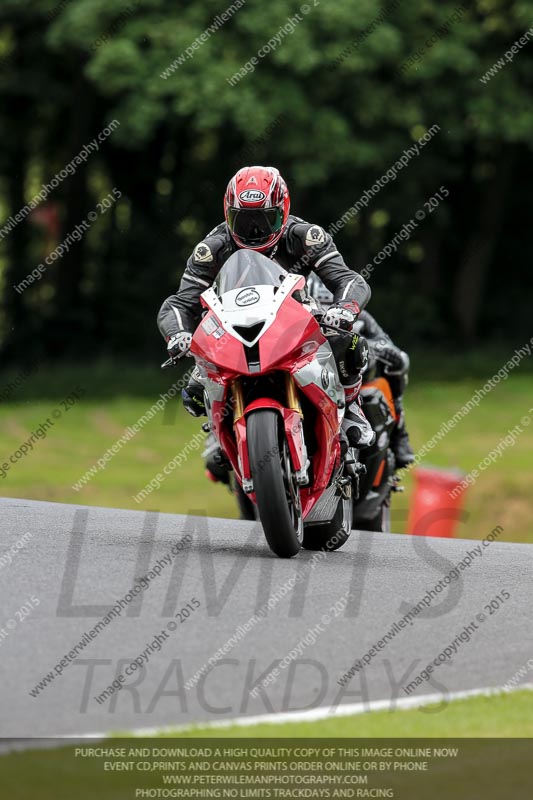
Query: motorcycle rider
[(256, 211)]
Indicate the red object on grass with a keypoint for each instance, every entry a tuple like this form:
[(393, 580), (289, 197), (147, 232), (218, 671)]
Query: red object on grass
[(437, 503)]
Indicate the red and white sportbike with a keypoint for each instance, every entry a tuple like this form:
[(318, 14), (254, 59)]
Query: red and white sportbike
[(275, 403)]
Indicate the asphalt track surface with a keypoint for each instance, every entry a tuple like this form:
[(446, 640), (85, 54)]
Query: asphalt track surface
[(79, 561)]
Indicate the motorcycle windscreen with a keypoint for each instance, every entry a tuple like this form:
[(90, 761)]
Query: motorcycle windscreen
[(248, 268)]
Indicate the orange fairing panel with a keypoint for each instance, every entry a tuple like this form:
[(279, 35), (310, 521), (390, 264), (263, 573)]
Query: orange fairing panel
[(379, 473), (384, 387)]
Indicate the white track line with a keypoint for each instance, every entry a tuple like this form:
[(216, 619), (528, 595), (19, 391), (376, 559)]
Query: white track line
[(309, 715), (344, 710)]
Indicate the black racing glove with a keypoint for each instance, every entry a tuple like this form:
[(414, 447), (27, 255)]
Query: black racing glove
[(388, 354), (342, 316)]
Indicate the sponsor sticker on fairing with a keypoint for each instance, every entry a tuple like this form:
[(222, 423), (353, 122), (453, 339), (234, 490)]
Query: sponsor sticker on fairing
[(209, 325), (247, 297), (212, 327)]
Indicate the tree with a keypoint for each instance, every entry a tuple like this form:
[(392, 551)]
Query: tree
[(335, 102)]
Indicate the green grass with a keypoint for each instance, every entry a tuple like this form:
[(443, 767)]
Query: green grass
[(495, 716), (58, 775), (115, 399)]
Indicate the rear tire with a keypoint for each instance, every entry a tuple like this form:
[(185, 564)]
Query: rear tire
[(276, 491), (380, 523), (331, 535)]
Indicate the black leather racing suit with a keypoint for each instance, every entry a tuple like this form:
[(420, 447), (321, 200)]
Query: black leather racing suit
[(303, 247), (382, 347)]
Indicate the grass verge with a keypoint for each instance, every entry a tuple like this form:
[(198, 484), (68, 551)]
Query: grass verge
[(57, 775), (113, 401)]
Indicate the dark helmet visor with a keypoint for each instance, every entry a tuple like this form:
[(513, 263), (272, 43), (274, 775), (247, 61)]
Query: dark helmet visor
[(254, 226)]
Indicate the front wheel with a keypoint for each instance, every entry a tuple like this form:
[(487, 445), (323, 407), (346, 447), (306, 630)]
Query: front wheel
[(276, 490)]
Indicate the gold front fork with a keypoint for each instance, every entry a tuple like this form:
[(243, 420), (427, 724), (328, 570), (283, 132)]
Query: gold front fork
[(238, 401), (292, 394)]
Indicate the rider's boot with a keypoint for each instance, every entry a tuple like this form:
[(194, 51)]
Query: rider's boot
[(400, 444), (355, 425), (193, 395), (216, 464)]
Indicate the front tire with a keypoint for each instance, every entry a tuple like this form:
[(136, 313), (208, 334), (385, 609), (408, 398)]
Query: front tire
[(276, 491)]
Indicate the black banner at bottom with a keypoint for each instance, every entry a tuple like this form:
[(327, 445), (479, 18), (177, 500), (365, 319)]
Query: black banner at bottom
[(138, 769)]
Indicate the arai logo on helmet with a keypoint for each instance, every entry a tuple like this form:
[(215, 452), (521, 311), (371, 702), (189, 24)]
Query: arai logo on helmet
[(247, 297), (252, 196)]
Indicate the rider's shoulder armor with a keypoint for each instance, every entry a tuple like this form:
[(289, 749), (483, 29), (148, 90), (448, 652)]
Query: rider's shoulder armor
[(211, 252), (307, 242)]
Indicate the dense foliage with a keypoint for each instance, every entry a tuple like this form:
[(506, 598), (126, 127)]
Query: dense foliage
[(345, 90)]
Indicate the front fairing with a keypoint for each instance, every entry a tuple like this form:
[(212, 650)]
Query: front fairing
[(252, 329)]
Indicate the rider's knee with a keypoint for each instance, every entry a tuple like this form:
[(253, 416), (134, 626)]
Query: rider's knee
[(357, 354)]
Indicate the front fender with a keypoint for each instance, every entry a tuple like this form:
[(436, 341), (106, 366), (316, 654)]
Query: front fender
[(293, 431)]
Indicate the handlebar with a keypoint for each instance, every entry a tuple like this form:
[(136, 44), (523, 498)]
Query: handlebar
[(173, 362)]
